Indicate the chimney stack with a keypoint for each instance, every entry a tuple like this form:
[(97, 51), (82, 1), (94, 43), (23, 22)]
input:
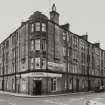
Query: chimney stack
[(54, 16)]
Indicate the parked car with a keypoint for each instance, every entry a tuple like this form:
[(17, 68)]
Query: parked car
[(100, 88)]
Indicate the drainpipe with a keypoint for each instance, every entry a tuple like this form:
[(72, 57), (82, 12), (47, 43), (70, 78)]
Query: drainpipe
[(88, 69), (15, 63), (3, 69)]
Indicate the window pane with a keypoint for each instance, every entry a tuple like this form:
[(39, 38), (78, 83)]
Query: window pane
[(32, 63), (43, 63), (67, 37), (53, 84), (43, 27), (44, 45), (37, 44), (32, 45), (64, 36), (37, 26), (64, 51), (32, 27), (37, 63)]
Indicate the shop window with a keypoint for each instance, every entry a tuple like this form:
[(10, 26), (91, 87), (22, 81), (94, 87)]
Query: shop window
[(13, 84), (83, 84), (65, 84), (43, 27), (37, 44), (23, 85), (32, 45), (37, 26), (53, 84), (7, 83), (70, 84), (32, 63), (37, 63), (32, 27)]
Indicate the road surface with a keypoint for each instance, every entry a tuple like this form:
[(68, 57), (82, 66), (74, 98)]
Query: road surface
[(70, 99)]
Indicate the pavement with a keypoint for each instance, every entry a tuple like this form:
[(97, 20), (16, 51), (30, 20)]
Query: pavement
[(40, 96), (80, 98)]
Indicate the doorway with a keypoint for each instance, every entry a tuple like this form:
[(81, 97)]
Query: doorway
[(77, 85), (37, 84)]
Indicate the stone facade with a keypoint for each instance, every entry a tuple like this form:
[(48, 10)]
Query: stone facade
[(44, 57)]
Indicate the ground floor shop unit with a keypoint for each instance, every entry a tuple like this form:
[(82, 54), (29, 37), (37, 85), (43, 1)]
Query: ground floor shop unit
[(40, 83)]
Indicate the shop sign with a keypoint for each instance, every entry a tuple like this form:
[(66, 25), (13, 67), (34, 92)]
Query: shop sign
[(25, 75), (56, 66), (41, 74)]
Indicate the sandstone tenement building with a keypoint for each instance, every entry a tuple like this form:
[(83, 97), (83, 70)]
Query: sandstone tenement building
[(44, 57)]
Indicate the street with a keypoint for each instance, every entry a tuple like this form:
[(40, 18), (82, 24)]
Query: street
[(70, 99)]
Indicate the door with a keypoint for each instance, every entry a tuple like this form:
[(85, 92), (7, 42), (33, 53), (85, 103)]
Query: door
[(37, 84), (77, 85)]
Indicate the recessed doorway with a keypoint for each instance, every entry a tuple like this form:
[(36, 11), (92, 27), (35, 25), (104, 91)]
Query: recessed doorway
[(37, 84)]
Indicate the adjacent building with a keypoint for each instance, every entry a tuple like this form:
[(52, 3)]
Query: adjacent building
[(44, 57)]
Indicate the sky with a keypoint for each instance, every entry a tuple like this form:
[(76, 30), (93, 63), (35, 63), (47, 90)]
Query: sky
[(83, 16)]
